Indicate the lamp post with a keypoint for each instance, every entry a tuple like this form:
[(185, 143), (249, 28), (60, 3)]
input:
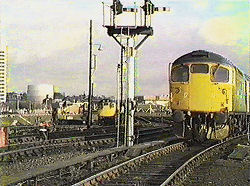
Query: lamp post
[(92, 68), (89, 117)]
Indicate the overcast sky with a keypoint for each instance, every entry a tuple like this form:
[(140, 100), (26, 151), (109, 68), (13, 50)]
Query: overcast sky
[(48, 41)]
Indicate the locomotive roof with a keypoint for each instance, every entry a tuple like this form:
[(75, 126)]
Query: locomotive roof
[(202, 56), (205, 56), (247, 77)]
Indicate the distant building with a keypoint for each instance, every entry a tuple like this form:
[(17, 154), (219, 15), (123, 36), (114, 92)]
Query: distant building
[(12, 96), (3, 75), (58, 95), (158, 100), (37, 93), (139, 99)]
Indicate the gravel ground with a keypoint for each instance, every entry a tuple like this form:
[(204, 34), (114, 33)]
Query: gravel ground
[(15, 167), (222, 171), (11, 168)]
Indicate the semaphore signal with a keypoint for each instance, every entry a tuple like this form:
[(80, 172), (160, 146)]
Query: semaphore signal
[(127, 36)]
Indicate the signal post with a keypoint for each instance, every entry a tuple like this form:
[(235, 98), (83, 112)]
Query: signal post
[(126, 36)]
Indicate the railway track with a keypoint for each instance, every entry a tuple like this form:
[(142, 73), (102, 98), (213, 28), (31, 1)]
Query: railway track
[(28, 135), (18, 136), (95, 140), (136, 171), (47, 147), (165, 166), (68, 171), (65, 149), (189, 166)]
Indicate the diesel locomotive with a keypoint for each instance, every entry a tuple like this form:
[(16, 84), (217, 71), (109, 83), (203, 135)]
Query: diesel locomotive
[(209, 93), (106, 112)]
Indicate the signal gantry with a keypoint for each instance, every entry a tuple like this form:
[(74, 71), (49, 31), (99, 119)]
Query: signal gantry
[(127, 36)]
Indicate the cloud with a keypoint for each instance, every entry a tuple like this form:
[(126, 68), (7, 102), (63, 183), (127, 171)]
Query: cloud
[(226, 7), (232, 7), (42, 28), (48, 43), (201, 5), (227, 31)]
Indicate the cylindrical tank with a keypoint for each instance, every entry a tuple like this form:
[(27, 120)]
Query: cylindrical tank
[(37, 93)]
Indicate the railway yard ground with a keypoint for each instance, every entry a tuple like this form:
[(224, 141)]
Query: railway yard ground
[(30, 119), (75, 155), (25, 157), (22, 119), (232, 168), (102, 112), (182, 164)]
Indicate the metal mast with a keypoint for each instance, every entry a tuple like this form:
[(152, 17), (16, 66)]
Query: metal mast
[(89, 116)]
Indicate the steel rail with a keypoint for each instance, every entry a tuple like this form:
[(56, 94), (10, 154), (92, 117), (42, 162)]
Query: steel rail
[(19, 135), (34, 174), (80, 138), (181, 173), (123, 167), (37, 138), (88, 141), (24, 152), (58, 169), (44, 142)]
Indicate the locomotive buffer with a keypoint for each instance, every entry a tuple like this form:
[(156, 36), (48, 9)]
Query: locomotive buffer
[(126, 36)]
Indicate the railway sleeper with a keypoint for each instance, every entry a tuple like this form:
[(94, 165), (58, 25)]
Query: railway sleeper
[(22, 153), (99, 179), (29, 153), (106, 177), (111, 175), (36, 152)]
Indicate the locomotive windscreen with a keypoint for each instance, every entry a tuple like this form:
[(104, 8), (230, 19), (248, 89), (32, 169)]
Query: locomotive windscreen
[(200, 68), (219, 74), (180, 74)]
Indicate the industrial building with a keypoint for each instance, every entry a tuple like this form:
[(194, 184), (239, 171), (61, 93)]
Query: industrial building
[(37, 93), (3, 74)]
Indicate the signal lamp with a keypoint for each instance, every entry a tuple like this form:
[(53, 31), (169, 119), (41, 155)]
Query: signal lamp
[(149, 7), (117, 7)]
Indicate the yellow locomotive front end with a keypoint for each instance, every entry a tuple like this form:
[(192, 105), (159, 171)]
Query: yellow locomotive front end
[(201, 87), (106, 112), (206, 90)]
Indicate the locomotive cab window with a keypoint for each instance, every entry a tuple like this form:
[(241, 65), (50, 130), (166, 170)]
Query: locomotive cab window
[(219, 74), (199, 68), (180, 74)]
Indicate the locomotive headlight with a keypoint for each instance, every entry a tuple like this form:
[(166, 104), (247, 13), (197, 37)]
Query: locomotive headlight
[(224, 91)]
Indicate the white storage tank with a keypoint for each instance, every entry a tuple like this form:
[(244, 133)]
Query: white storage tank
[(37, 93)]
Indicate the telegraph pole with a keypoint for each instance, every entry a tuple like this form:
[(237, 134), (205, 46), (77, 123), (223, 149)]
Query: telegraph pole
[(89, 116)]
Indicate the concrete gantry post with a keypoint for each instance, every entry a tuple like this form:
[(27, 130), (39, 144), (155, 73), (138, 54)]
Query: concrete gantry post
[(131, 91)]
